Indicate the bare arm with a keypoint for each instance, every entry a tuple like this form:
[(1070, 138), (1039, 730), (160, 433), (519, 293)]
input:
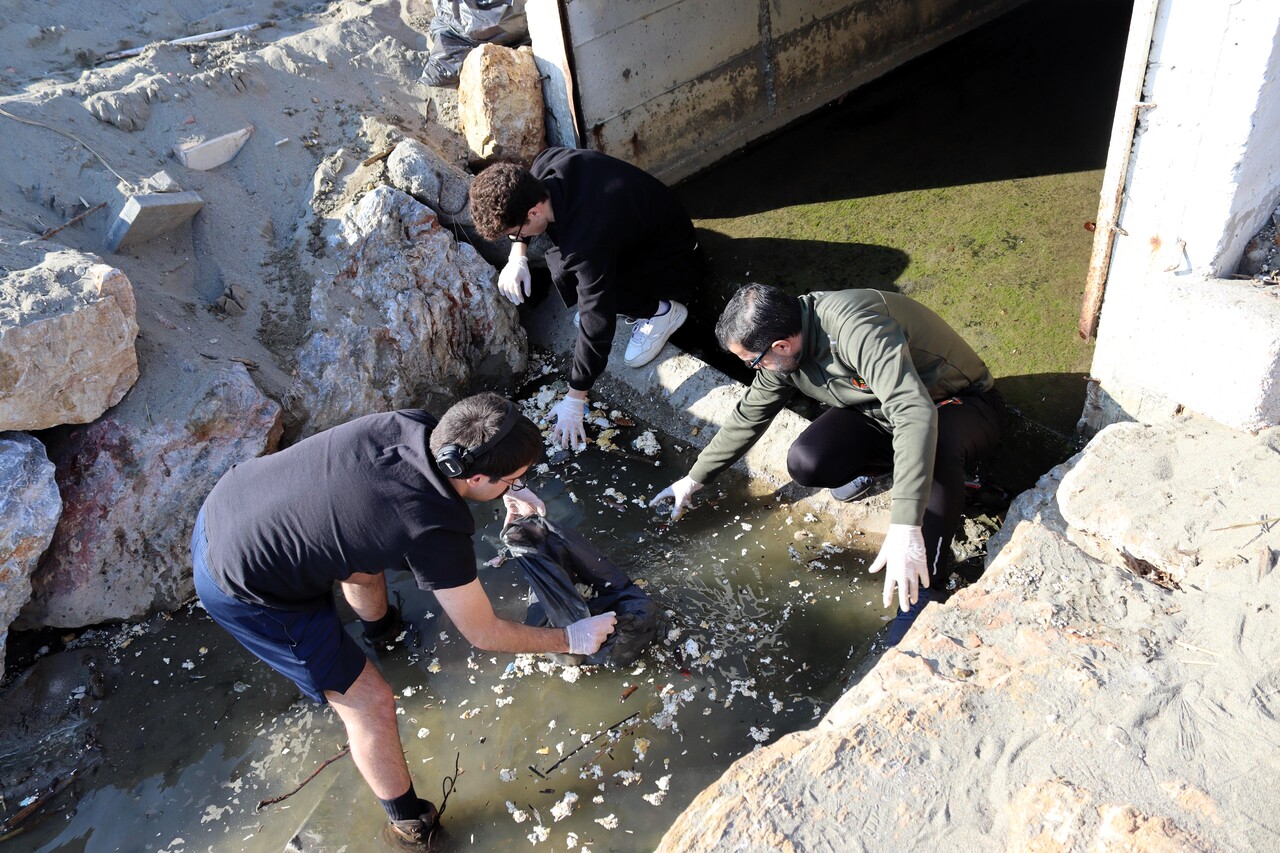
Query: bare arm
[(469, 608)]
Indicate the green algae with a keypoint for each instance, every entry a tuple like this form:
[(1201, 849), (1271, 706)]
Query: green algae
[(964, 179)]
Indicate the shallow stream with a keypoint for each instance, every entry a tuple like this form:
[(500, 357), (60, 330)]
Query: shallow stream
[(766, 622)]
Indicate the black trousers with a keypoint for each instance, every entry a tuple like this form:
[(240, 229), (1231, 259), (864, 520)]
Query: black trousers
[(642, 285), (844, 443)]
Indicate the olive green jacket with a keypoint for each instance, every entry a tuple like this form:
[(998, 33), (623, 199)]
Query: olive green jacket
[(882, 353)]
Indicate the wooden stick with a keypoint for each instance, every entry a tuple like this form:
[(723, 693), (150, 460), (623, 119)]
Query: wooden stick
[(381, 155), (216, 34), (73, 220), (621, 722), (1262, 521), (271, 801), (24, 813)]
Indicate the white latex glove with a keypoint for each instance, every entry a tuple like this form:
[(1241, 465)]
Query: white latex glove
[(903, 554), (514, 280), (569, 430), (681, 494), (522, 504), (586, 636)]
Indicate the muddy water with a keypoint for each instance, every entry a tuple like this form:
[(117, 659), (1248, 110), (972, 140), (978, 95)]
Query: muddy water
[(765, 626)]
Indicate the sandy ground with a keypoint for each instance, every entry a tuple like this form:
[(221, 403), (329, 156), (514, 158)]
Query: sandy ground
[(325, 87)]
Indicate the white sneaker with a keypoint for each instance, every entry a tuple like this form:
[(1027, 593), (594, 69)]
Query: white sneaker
[(649, 335)]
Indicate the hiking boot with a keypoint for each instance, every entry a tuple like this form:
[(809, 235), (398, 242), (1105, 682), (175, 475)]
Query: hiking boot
[(649, 335), (854, 489), (413, 835)]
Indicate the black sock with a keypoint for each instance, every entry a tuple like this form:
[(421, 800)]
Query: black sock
[(378, 627), (407, 806)]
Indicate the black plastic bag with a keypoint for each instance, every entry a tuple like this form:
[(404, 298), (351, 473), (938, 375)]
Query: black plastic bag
[(554, 559), (460, 25)]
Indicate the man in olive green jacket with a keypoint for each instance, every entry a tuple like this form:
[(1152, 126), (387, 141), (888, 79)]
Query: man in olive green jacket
[(907, 395)]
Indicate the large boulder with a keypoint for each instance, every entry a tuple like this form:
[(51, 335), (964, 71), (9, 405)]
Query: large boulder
[(427, 174), (29, 510), (67, 329), (1067, 701), (410, 317), (132, 483), (500, 104)]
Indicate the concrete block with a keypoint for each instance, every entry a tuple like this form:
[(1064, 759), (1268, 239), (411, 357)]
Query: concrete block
[(212, 152), (149, 215)]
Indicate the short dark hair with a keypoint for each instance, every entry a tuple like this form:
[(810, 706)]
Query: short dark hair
[(472, 421), (501, 196), (758, 315)]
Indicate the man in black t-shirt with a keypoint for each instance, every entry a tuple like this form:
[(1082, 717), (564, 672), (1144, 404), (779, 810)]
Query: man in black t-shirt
[(622, 244), (385, 490)]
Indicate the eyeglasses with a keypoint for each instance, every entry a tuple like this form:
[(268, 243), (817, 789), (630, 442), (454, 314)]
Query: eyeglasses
[(519, 484), (755, 362), (515, 238)]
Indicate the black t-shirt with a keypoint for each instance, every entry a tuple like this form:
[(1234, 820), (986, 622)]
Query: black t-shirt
[(361, 497)]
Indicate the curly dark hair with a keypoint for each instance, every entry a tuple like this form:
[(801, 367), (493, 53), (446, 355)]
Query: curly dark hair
[(501, 196)]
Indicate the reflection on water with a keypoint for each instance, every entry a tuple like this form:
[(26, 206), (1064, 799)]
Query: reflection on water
[(765, 625)]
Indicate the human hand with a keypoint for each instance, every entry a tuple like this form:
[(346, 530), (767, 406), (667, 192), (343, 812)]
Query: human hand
[(681, 494), (522, 504), (904, 556), (514, 280), (569, 430), (586, 636)]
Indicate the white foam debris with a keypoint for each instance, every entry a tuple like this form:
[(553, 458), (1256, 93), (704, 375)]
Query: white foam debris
[(507, 774), (423, 732), (517, 814), (627, 777), (539, 834), (609, 821), (647, 443), (760, 734), (641, 746), (565, 807)]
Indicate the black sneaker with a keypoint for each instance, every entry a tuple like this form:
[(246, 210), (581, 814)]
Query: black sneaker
[(413, 835), (854, 489)]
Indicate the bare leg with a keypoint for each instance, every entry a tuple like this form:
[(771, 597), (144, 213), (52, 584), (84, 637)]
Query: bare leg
[(368, 710), (367, 595)]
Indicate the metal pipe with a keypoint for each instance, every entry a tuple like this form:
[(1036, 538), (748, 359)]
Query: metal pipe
[(1128, 105)]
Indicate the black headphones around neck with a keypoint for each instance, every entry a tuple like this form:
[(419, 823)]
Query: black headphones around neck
[(456, 461)]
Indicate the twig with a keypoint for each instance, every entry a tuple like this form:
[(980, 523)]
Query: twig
[(621, 722), (24, 813), (216, 34), (449, 783), (271, 801), (381, 155), (1192, 648), (34, 123), (600, 752), (73, 220), (1264, 521)]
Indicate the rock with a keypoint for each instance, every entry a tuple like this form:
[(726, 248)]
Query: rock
[(424, 173), (131, 484), (410, 313), (46, 731), (29, 510), (1062, 702), (1160, 493), (67, 330), (427, 175), (500, 103), (208, 154)]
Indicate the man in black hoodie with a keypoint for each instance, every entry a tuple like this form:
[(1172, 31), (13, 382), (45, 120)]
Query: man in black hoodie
[(622, 245)]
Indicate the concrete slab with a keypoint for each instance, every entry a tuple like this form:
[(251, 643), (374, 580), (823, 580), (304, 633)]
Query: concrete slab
[(150, 215), (689, 400)]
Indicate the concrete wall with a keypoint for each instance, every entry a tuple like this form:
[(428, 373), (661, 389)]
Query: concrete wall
[(1203, 176), (675, 85)]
